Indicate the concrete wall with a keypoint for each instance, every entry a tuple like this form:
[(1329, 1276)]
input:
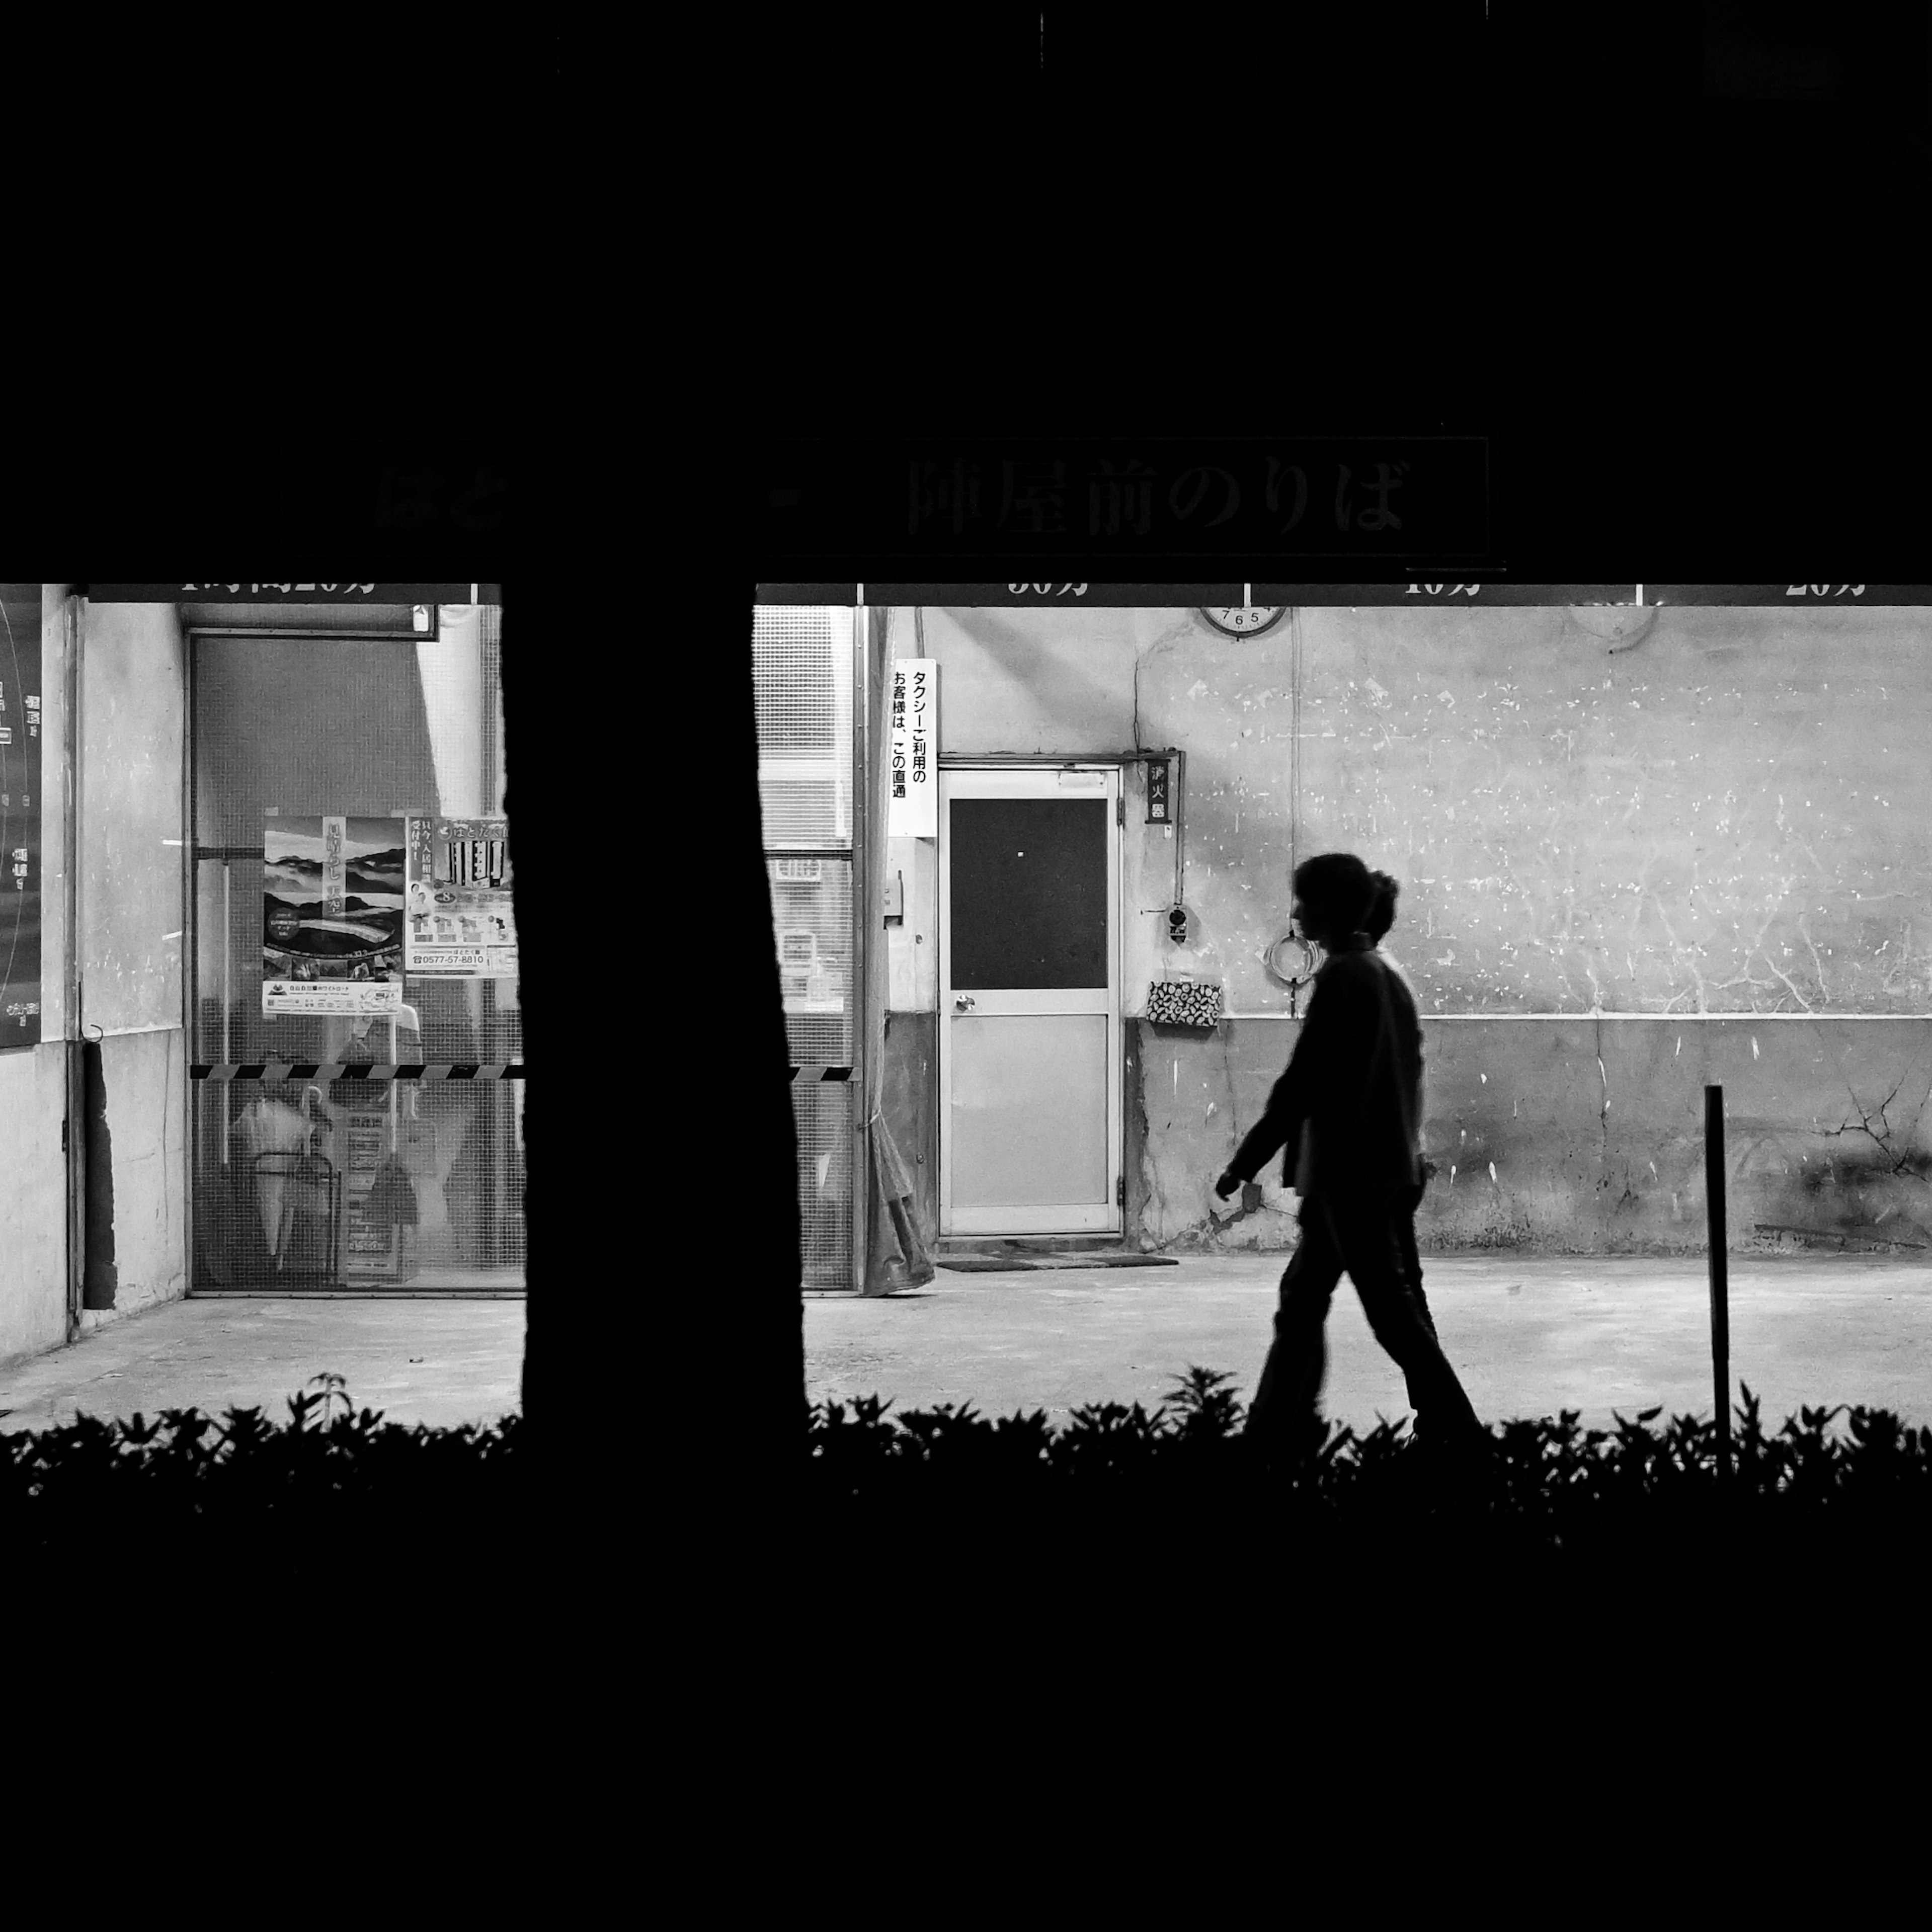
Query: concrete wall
[(133, 741), (33, 1201), (33, 1080), (1575, 1136), (1680, 814), (133, 736)]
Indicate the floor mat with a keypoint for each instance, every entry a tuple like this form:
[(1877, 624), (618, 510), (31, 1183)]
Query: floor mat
[(1007, 1264)]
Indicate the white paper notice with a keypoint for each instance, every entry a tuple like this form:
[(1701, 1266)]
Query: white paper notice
[(913, 752), (461, 921)]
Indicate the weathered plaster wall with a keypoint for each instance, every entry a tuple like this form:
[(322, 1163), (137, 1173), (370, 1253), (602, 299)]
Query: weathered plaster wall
[(33, 1080), (134, 742), (1580, 1136), (133, 739), (144, 1074), (33, 1200), (912, 947), (1689, 810), (1686, 812), (905, 1099)]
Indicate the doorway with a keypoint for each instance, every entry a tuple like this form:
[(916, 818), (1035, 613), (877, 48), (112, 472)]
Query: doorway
[(303, 1182), (1029, 1082)]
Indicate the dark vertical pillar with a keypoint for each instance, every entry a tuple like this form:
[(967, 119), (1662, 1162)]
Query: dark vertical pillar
[(490, 1125), (99, 1276), (1720, 1312)]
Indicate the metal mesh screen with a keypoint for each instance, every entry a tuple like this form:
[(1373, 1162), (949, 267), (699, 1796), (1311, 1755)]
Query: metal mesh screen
[(303, 1185), (801, 669), (811, 917), (823, 1112)]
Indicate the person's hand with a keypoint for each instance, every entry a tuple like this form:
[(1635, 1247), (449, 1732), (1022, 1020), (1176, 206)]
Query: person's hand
[(1226, 1185)]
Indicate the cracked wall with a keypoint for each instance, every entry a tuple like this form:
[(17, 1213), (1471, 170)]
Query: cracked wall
[(133, 741), (1681, 813), (1584, 1136), (1696, 810)]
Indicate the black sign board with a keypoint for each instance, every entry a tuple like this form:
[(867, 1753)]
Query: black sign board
[(291, 593), (395, 499), (20, 815), (1787, 595), (1395, 497), (1160, 805), (1413, 593)]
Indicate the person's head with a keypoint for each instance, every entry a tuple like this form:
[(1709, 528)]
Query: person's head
[(1382, 916), (1333, 896)]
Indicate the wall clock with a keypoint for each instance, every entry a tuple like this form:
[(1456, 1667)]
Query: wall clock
[(1244, 620)]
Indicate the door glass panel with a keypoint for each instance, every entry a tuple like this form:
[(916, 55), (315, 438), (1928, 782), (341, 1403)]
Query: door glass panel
[(306, 1185), (1029, 897), (1029, 1111)]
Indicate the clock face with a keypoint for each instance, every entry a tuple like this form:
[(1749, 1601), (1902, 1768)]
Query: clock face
[(1242, 620)]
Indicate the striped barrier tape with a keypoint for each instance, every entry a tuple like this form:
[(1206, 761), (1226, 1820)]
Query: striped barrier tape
[(326, 1069), (819, 1070)]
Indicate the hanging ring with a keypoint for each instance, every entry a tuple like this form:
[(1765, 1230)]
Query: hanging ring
[(1274, 959)]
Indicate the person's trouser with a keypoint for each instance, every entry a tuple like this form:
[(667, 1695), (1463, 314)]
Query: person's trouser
[(1406, 1204), (1362, 1237)]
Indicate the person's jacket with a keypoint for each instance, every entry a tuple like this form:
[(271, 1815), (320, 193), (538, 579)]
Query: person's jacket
[(1354, 1082)]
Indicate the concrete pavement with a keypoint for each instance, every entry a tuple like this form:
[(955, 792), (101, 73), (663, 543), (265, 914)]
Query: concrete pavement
[(440, 1362), (1528, 1336)]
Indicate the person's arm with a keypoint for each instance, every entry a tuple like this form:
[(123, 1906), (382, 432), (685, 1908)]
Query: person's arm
[(1289, 1104), (1281, 1119)]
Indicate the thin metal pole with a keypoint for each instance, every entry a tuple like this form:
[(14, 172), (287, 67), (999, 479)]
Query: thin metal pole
[(227, 943), (858, 978), (1720, 1314), (72, 848)]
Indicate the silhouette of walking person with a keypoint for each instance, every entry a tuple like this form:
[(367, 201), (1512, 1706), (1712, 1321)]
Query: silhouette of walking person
[(1376, 926), (1347, 1109)]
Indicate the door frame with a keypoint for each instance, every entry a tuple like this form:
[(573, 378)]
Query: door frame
[(283, 626), (1022, 1221)]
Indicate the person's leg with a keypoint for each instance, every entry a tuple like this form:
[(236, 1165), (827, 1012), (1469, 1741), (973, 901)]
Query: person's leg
[(1287, 1402), (1411, 1262), (1411, 1259), (1365, 1233)]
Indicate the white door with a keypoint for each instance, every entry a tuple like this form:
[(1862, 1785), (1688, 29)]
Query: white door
[(1030, 1120)]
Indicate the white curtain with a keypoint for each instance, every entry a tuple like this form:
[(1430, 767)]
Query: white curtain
[(452, 665), (451, 668)]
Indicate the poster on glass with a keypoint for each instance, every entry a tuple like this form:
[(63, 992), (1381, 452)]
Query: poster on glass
[(332, 915), (461, 924)]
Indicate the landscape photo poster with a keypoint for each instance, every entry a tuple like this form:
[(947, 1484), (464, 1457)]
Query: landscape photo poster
[(332, 915), (461, 925)]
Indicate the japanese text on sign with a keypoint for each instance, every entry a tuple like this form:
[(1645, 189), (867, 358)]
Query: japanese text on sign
[(21, 884), (461, 914), (1315, 497), (1158, 807), (913, 810)]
